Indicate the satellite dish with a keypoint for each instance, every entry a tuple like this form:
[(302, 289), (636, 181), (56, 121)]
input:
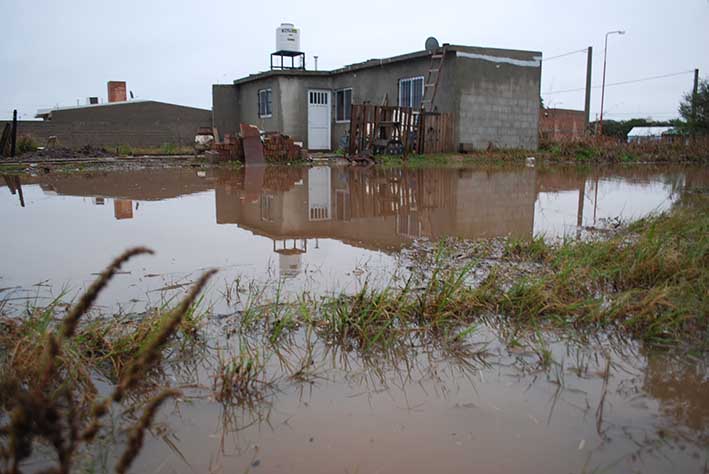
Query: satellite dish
[(431, 43)]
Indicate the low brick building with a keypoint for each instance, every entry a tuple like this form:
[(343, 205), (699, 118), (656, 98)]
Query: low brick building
[(561, 124)]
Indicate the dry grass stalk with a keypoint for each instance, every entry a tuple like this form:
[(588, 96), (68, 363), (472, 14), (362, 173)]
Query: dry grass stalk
[(135, 439), (90, 295), (152, 352), (38, 413)]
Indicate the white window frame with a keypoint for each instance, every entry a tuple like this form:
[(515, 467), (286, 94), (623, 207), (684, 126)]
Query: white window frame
[(345, 112), (269, 103), (409, 81)]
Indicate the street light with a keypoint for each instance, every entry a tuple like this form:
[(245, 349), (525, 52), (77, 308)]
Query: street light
[(603, 86)]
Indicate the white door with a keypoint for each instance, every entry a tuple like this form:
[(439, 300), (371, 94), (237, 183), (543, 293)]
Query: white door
[(318, 120)]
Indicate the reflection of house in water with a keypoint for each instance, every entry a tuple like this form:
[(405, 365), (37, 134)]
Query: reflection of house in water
[(319, 193), (381, 209), (378, 208)]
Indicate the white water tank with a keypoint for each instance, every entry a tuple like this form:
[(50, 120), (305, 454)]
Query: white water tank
[(288, 38)]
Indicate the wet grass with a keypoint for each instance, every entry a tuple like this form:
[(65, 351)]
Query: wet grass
[(47, 375), (582, 151), (166, 149), (648, 280)]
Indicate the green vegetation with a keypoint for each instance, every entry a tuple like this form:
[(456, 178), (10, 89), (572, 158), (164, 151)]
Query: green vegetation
[(648, 280), (416, 161), (124, 150), (696, 118), (578, 151), (166, 149), (12, 169), (25, 144), (619, 128)]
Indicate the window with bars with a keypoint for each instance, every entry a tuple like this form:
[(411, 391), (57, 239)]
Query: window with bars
[(264, 103), (411, 92), (343, 105)]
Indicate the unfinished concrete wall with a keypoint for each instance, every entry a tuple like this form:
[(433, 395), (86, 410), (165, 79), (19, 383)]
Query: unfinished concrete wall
[(225, 108), (499, 98), (248, 104), (374, 84), (139, 124), (293, 103)]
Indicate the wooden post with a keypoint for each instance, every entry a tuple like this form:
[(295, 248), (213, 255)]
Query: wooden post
[(13, 143)]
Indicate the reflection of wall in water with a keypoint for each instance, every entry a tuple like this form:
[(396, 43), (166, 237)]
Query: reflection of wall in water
[(496, 203)]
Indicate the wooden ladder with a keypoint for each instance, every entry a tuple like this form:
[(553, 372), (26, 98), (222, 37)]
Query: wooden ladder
[(430, 87)]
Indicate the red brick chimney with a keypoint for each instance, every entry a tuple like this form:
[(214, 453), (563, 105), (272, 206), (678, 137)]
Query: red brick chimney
[(117, 91)]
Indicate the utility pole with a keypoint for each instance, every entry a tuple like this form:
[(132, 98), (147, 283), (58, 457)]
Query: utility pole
[(587, 108), (13, 138)]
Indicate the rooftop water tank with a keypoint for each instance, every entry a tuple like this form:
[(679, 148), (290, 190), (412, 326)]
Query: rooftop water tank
[(288, 38)]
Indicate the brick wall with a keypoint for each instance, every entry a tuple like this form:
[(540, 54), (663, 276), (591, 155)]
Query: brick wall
[(561, 124), (117, 91), (138, 124)]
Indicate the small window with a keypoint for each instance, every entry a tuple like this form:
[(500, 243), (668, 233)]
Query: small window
[(264, 103), (411, 92), (343, 105)]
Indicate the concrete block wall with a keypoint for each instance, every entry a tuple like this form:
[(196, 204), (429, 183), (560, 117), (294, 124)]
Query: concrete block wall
[(225, 109), (498, 99), (247, 96), (293, 103)]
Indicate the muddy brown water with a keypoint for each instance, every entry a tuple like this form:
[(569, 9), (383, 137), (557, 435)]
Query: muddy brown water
[(600, 405)]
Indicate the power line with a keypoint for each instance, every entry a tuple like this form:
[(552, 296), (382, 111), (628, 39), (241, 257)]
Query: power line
[(632, 81), (565, 54), (640, 114)]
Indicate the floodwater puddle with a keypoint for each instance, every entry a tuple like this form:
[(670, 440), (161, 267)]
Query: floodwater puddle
[(497, 402), (318, 228)]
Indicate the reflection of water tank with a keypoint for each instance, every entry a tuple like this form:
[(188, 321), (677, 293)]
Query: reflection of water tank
[(289, 265), (288, 38), (290, 257)]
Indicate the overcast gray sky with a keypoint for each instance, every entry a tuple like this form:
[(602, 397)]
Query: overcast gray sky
[(55, 52)]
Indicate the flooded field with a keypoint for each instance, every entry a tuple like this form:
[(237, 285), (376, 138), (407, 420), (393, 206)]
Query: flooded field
[(488, 399), (316, 228)]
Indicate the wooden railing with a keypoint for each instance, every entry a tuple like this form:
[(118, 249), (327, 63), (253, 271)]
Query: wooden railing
[(383, 129)]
